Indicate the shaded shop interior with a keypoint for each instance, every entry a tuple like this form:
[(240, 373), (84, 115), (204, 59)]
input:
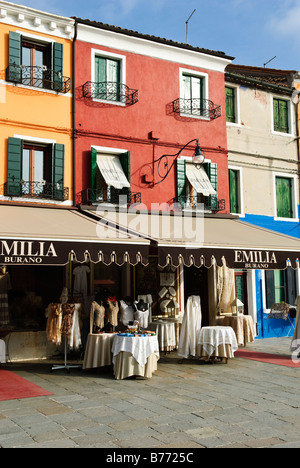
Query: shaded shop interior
[(67, 256)]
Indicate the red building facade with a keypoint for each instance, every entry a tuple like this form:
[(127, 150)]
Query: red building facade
[(139, 98)]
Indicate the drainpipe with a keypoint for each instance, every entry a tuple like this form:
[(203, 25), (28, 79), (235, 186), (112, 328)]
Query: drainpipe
[(74, 112)]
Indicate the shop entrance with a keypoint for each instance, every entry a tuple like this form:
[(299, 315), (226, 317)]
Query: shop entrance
[(196, 284)]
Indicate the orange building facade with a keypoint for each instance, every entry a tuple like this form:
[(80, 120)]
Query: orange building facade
[(35, 106)]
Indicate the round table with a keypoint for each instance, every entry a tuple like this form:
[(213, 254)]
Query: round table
[(135, 355), (243, 326), (98, 350), (165, 333), (217, 342)]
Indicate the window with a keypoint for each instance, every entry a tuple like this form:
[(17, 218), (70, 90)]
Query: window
[(281, 115), (194, 94), (110, 175), (281, 286), (36, 62), (230, 104), (235, 191), (107, 78), (196, 186), (35, 170), (284, 197)]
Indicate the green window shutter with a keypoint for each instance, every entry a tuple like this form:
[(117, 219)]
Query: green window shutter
[(234, 191), (281, 115), (270, 288), (100, 69), (230, 104), (211, 170), (58, 172), (181, 180), (14, 167), (14, 57), (58, 52), (126, 166), (284, 198)]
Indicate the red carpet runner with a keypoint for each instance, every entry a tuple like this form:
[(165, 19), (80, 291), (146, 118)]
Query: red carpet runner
[(14, 387), (267, 358)]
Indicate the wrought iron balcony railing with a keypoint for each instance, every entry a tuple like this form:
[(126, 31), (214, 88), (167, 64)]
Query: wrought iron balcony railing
[(110, 91), (208, 204), (38, 77), (90, 196), (41, 189), (197, 108)]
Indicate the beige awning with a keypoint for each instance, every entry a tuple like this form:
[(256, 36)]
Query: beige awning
[(112, 172), (183, 238), (48, 236), (199, 180)]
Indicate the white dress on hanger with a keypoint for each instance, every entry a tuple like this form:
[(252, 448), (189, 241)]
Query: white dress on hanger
[(191, 327)]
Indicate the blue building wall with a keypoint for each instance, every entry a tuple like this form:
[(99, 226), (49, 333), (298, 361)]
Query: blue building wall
[(272, 328)]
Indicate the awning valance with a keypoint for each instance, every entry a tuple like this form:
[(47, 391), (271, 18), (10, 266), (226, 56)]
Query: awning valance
[(50, 236), (199, 180), (112, 172)]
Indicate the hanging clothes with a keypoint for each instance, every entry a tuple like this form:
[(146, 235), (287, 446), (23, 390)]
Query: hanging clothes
[(225, 289), (296, 338), (54, 323), (191, 327), (5, 286), (80, 282), (74, 337), (142, 313)]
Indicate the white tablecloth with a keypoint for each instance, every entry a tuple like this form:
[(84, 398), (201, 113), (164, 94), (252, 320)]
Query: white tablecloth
[(243, 326), (212, 337), (2, 352), (140, 348), (165, 333), (98, 350)]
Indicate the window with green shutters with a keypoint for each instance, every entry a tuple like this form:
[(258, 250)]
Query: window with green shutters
[(281, 115), (230, 104), (34, 63), (284, 197), (35, 170), (107, 78), (193, 94), (281, 286)]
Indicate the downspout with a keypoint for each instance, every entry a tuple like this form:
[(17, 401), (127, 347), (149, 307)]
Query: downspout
[(74, 112)]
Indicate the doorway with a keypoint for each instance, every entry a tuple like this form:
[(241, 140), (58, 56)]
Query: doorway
[(196, 284)]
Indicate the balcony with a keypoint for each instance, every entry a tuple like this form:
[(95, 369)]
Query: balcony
[(38, 77), (209, 204), (41, 189), (110, 91), (197, 108), (104, 195)]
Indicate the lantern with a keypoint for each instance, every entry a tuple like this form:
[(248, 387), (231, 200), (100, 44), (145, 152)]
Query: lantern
[(237, 307), (171, 309)]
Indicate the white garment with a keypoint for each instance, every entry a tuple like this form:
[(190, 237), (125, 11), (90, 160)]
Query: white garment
[(80, 283), (2, 352), (74, 339), (296, 338), (126, 313), (191, 327), (142, 316)]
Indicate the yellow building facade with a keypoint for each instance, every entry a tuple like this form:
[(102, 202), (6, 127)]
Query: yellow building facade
[(35, 106)]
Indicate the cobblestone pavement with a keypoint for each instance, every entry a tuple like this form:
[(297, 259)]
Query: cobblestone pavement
[(185, 405)]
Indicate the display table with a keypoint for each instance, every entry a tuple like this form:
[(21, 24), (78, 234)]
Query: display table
[(2, 352), (165, 333), (136, 355), (98, 352), (243, 326), (217, 342)]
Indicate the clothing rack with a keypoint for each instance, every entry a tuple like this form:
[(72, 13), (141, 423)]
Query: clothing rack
[(66, 365)]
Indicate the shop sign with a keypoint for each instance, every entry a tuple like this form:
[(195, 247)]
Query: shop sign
[(255, 259), (26, 252)]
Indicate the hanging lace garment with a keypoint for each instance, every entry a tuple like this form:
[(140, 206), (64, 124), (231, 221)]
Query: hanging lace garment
[(225, 289), (111, 311), (191, 327), (74, 338), (54, 323), (67, 319), (126, 313)]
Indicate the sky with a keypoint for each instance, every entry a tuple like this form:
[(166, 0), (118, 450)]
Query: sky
[(252, 31)]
